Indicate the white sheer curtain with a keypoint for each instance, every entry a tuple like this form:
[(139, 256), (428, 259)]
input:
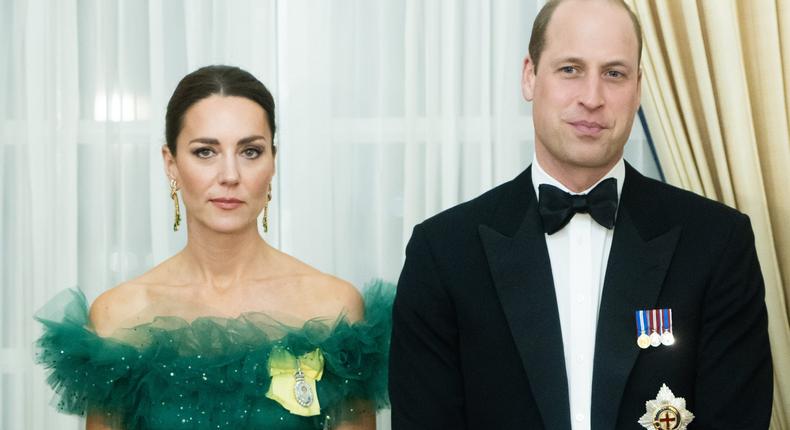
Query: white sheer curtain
[(388, 112)]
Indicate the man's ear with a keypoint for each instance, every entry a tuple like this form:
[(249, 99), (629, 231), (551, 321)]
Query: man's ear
[(639, 87), (528, 79), (171, 169)]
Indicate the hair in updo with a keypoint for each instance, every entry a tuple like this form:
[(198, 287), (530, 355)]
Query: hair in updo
[(210, 80)]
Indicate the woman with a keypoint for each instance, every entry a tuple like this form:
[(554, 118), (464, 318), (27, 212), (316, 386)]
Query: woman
[(229, 332)]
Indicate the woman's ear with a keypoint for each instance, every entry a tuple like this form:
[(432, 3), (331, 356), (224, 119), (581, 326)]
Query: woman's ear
[(171, 168)]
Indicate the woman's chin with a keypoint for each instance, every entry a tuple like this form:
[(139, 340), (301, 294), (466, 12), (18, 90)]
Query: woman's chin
[(230, 226)]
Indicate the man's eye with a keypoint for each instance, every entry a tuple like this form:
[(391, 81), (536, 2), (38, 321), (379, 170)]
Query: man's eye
[(251, 153), (203, 152), (614, 74), (568, 69)]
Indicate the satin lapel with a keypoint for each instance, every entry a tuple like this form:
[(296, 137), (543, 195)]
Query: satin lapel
[(634, 275), (522, 275)]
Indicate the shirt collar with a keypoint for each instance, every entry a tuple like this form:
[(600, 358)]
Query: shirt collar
[(539, 176)]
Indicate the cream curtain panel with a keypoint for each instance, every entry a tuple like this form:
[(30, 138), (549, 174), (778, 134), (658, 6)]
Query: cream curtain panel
[(716, 94)]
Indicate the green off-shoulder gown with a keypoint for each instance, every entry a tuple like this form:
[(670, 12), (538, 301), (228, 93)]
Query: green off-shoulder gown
[(213, 373)]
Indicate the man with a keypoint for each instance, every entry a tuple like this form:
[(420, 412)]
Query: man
[(530, 308)]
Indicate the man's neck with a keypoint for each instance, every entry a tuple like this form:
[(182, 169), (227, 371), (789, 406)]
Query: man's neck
[(575, 179)]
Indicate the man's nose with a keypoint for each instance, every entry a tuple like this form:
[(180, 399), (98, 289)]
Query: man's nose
[(591, 96)]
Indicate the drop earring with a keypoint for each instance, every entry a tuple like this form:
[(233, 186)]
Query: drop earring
[(265, 220), (174, 196)]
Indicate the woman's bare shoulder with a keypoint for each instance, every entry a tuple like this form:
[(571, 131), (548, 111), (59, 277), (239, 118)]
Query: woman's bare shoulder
[(337, 296), (331, 295), (115, 307), (122, 306)]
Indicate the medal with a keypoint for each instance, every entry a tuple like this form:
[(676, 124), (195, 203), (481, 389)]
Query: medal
[(302, 391), (667, 338), (642, 339), (654, 328), (294, 378), (666, 412), (655, 338)]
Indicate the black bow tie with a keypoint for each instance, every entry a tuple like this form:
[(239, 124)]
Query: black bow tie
[(557, 207)]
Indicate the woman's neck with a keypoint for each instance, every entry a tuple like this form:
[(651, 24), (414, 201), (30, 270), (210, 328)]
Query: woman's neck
[(222, 260)]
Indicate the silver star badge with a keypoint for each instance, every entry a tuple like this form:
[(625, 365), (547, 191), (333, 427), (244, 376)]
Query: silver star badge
[(666, 412)]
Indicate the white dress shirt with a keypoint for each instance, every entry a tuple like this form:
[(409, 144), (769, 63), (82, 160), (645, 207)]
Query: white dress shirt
[(578, 254)]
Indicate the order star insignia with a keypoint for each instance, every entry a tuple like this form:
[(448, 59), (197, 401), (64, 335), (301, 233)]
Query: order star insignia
[(666, 412)]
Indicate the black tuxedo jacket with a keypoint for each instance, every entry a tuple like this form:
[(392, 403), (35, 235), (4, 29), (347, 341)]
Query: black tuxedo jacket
[(476, 339)]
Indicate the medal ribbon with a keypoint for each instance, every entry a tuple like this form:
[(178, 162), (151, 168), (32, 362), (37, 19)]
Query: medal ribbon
[(669, 313), (641, 323), (654, 321), (638, 323)]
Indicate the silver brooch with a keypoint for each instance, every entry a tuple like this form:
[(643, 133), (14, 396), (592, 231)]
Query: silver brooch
[(302, 390), (666, 412)]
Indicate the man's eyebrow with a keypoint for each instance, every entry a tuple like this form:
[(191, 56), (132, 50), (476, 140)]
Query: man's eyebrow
[(575, 60), (617, 63), (212, 141)]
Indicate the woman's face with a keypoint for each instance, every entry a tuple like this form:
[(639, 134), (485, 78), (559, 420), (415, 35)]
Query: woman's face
[(224, 162)]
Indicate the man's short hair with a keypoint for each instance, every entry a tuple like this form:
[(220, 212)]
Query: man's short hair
[(537, 41)]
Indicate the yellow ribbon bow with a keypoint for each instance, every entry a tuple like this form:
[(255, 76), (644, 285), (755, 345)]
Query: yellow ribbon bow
[(283, 367)]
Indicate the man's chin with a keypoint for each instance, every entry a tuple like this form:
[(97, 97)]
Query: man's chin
[(592, 160)]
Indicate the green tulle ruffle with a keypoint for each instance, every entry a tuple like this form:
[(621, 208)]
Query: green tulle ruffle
[(212, 372)]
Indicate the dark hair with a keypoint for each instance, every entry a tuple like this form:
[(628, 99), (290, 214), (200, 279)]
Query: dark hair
[(537, 41), (210, 80)]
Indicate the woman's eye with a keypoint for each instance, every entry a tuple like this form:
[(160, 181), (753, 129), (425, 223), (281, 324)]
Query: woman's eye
[(251, 153), (203, 152)]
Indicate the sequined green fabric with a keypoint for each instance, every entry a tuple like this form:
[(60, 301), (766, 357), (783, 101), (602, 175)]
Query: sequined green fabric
[(211, 373)]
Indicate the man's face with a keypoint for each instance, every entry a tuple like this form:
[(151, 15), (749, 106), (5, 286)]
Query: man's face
[(585, 92)]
